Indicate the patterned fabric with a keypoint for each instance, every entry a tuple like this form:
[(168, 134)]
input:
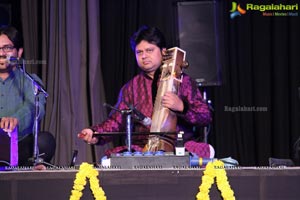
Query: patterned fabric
[(138, 92)]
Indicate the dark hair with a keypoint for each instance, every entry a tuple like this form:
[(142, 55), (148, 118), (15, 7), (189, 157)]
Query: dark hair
[(150, 34), (13, 34)]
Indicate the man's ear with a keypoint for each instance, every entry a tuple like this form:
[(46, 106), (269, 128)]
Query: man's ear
[(20, 52), (164, 51)]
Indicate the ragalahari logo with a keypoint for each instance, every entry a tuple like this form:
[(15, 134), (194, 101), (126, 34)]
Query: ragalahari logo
[(236, 10)]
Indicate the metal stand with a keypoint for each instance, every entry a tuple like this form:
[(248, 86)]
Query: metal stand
[(128, 129), (207, 128), (128, 113), (36, 160)]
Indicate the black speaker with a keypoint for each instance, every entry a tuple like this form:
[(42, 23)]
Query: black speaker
[(5, 14), (198, 36)]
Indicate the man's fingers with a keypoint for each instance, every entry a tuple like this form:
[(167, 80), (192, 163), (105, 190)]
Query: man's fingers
[(9, 123), (81, 135)]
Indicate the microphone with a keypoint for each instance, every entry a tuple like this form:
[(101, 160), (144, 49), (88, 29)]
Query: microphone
[(196, 161), (14, 60), (74, 158), (146, 121)]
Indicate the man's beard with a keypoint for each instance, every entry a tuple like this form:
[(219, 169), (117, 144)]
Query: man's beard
[(6, 70)]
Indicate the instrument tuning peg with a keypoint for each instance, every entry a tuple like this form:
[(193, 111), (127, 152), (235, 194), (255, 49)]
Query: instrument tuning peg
[(185, 64)]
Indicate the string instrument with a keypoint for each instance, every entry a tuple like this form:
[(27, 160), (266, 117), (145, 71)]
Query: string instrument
[(163, 119)]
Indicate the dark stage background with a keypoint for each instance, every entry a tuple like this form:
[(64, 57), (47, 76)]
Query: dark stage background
[(259, 66)]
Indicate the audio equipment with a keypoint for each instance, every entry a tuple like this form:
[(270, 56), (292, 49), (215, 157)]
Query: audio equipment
[(199, 35)]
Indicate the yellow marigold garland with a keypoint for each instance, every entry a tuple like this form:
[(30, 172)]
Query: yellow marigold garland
[(215, 169), (87, 171)]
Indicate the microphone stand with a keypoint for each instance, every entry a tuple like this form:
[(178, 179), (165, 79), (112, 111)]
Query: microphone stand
[(128, 128), (207, 128), (37, 89), (128, 113)]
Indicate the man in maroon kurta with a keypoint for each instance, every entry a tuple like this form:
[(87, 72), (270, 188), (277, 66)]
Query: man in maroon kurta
[(191, 109)]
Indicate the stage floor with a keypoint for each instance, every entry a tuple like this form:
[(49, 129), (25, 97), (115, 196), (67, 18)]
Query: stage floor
[(248, 183)]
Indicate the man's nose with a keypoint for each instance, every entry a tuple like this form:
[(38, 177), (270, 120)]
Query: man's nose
[(144, 55), (2, 52)]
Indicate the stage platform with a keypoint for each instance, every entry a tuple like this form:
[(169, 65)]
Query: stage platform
[(248, 183)]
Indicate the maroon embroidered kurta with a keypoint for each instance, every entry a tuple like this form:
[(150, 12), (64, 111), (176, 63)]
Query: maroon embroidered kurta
[(138, 92)]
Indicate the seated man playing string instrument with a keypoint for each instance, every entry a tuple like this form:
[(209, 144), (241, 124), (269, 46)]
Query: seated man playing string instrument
[(143, 92)]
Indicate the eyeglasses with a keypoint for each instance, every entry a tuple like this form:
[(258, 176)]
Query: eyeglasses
[(7, 49)]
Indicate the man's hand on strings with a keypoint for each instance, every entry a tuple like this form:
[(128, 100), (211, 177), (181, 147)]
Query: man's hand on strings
[(172, 101)]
